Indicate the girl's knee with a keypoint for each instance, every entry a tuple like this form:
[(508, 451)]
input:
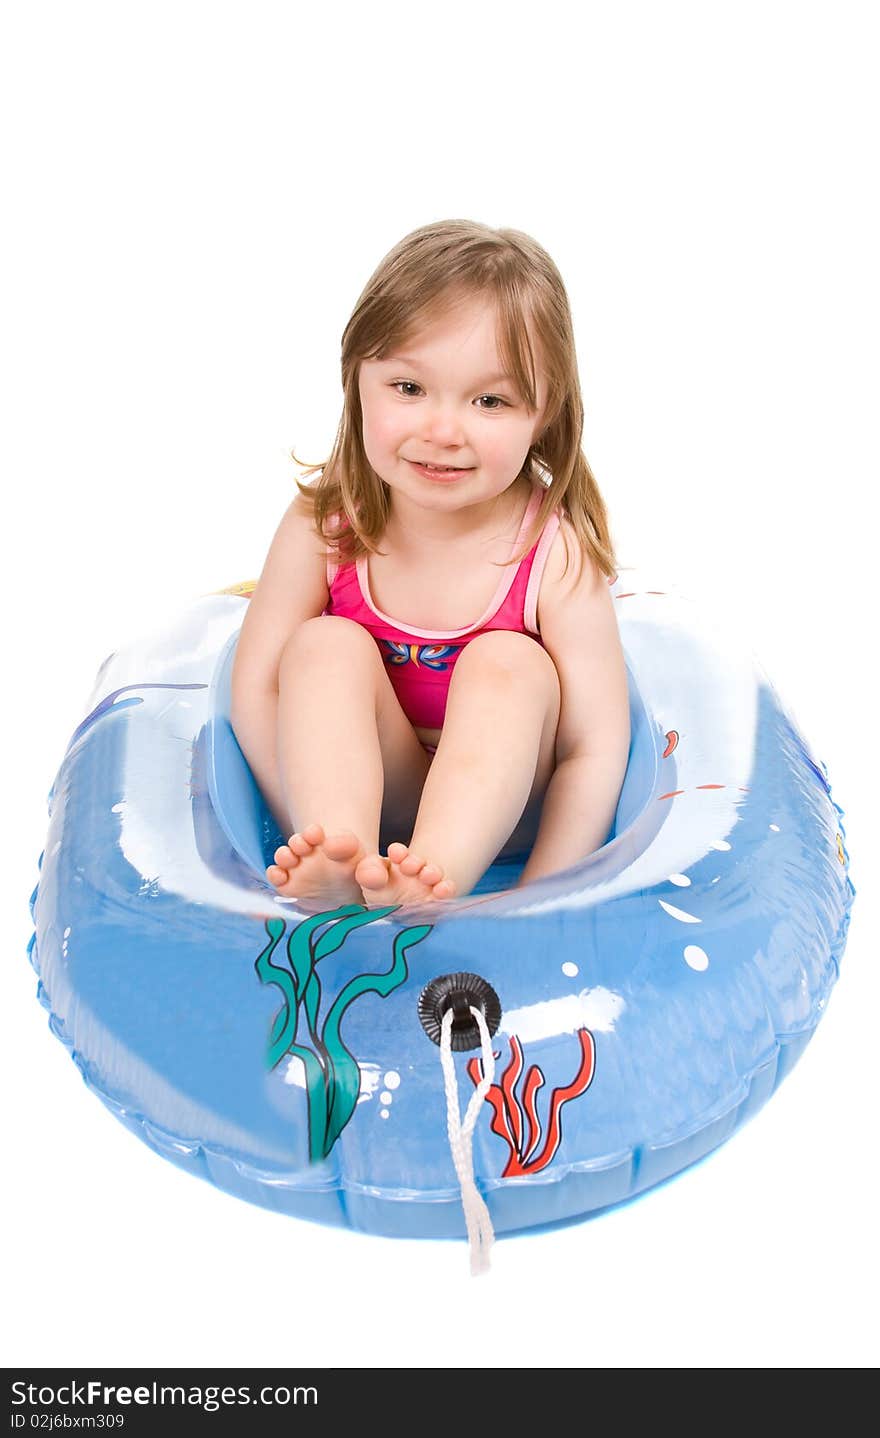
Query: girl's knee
[(325, 634), (505, 652), (328, 645)]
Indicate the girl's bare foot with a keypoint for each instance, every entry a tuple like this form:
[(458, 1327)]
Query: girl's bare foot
[(317, 869), (402, 878)]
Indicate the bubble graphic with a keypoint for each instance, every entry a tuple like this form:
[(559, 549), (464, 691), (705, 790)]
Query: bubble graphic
[(681, 914)]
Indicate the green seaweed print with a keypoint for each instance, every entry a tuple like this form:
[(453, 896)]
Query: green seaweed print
[(332, 1073)]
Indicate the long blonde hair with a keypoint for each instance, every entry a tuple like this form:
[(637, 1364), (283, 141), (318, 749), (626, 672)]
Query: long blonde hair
[(422, 277)]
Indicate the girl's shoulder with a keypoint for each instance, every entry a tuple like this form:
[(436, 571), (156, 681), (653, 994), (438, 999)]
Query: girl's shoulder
[(302, 517), (569, 564), (575, 593), (565, 549), (334, 525)]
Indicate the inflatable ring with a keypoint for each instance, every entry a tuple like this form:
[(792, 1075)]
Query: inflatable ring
[(644, 1002)]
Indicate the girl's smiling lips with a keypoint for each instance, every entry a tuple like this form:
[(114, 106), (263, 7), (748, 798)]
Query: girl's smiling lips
[(444, 472)]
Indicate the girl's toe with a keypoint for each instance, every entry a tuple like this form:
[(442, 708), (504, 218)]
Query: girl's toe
[(314, 834), (431, 874), (371, 872), (397, 852), (411, 865), (341, 846), (283, 855), (444, 890)]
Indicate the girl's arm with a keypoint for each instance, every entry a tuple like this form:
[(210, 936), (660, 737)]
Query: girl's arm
[(291, 589), (579, 630)]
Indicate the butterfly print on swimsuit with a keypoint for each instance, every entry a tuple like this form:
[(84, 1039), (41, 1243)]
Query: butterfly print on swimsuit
[(430, 656)]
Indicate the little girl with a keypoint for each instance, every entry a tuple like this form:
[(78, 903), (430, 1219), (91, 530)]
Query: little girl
[(429, 674)]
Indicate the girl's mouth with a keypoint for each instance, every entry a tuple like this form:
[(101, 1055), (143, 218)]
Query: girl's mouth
[(437, 472)]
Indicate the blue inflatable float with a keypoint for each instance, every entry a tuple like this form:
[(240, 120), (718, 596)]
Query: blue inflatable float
[(644, 1003)]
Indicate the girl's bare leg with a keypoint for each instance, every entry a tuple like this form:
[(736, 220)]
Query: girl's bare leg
[(347, 755), (493, 763)]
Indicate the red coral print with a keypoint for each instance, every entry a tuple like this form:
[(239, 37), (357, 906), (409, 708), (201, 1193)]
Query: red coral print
[(518, 1124)]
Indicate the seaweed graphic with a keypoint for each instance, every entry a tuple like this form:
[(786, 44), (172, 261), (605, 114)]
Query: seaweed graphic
[(332, 1073), (517, 1122)]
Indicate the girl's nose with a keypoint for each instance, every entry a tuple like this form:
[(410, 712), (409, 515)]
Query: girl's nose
[(442, 425)]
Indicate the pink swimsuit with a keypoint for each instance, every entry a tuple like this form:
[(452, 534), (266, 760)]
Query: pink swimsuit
[(420, 661)]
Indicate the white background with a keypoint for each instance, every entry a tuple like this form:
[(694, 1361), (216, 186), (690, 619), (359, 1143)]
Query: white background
[(196, 194)]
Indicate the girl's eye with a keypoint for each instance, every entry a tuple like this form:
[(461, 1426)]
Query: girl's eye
[(396, 384)]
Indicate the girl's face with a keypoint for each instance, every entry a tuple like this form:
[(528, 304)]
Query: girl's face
[(443, 399)]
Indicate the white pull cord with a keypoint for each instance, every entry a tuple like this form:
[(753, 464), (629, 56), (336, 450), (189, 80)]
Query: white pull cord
[(476, 1215)]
